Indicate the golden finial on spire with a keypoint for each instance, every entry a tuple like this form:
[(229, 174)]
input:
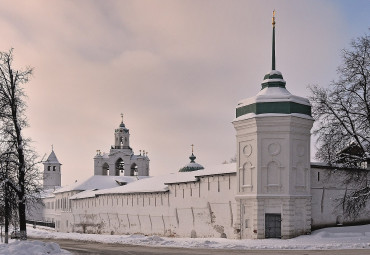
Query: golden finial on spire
[(192, 148), (273, 18)]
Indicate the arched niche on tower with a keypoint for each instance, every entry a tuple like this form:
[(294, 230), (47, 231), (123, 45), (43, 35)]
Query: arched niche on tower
[(246, 177), (105, 169), (272, 176), (119, 166), (301, 176)]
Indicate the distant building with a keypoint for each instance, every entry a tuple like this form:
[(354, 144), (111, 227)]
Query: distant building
[(52, 172)]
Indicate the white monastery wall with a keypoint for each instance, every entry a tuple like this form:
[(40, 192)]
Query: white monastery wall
[(327, 187), (204, 208)]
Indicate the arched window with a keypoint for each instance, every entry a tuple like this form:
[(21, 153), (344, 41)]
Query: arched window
[(54, 168), (49, 168)]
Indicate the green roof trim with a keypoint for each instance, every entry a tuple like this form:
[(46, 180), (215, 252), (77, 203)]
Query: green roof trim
[(273, 84), (274, 107)]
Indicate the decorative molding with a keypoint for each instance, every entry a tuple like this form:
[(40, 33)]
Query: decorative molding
[(274, 148)]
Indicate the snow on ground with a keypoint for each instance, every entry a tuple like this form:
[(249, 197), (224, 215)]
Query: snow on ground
[(31, 248), (354, 237)]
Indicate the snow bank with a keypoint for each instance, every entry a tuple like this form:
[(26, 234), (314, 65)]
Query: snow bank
[(357, 237), (31, 248)]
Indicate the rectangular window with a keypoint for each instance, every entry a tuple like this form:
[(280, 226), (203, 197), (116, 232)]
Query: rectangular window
[(318, 176)]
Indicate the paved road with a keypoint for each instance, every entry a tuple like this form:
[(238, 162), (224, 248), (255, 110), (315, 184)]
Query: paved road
[(83, 248)]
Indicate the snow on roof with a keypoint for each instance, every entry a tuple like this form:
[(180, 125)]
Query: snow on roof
[(274, 94), (159, 183), (98, 182), (218, 170), (253, 115), (46, 193)]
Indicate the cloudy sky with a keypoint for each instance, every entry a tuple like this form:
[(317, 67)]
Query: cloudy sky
[(175, 69)]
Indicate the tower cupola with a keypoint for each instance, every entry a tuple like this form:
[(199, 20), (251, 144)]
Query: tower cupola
[(273, 98), (122, 136), (192, 166)]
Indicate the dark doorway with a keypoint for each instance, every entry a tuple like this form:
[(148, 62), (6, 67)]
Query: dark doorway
[(272, 225)]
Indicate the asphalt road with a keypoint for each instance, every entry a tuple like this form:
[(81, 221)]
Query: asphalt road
[(83, 248)]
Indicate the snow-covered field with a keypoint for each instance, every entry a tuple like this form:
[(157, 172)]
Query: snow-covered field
[(356, 237)]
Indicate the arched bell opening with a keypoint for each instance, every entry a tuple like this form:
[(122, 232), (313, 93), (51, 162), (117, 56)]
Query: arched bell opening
[(105, 169), (133, 170), (120, 167)]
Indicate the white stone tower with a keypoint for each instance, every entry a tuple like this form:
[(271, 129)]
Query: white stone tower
[(52, 174), (273, 160), (121, 158)]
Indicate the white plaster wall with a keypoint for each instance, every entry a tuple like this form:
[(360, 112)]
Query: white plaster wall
[(204, 209), (327, 186)]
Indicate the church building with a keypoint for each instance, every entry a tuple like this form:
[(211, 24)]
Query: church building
[(272, 191)]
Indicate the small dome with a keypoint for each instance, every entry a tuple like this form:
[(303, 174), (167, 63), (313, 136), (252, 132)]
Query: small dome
[(273, 79), (192, 166), (122, 126)]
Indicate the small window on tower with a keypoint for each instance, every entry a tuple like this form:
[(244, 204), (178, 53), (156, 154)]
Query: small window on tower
[(54, 168), (48, 168)]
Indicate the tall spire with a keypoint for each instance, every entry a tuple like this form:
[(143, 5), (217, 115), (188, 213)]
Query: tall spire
[(273, 41)]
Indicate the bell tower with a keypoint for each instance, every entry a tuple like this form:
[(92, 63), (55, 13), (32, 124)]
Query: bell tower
[(121, 159), (122, 137), (52, 173), (273, 160)]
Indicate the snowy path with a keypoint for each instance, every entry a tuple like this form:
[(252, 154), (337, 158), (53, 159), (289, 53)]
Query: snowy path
[(355, 237)]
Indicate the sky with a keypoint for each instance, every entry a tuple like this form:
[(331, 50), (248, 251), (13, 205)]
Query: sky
[(175, 69)]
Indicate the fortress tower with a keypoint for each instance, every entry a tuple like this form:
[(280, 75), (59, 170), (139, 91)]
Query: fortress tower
[(273, 160)]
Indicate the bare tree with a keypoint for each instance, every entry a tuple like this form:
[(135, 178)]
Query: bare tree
[(12, 121), (342, 114)]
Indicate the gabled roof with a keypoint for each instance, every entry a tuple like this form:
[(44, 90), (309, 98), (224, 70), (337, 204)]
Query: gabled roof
[(99, 182), (52, 158)]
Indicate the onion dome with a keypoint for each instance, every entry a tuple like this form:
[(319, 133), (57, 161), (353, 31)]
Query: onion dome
[(273, 98), (192, 166)]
